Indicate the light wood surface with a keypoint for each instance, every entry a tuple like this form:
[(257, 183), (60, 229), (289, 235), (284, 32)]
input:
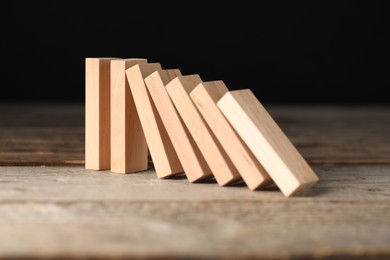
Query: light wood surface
[(72, 213), (129, 151), (215, 156), (97, 113), (165, 159), (269, 144), (205, 97), (194, 164)]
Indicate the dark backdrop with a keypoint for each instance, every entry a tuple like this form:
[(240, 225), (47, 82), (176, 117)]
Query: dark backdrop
[(312, 52)]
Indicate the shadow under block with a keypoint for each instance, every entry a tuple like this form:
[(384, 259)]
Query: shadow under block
[(205, 96), (165, 159), (129, 152), (269, 144), (194, 165), (97, 113), (215, 156)]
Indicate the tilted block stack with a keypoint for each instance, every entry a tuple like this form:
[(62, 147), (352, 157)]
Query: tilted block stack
[(189, 126)]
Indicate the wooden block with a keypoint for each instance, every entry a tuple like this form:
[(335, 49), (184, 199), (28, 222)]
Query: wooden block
[(269, 144), (97, 113), (205, 97), (129, 152), (165, 160), (217, 159), (192, 160)]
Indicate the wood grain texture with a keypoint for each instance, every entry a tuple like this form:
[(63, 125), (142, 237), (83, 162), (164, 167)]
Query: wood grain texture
[(269, 144), (205, 97), (194, 164), (220, 164), (165, 159), (338, 134), (53, 133), (97, 113), (70, 212), (129, 151)]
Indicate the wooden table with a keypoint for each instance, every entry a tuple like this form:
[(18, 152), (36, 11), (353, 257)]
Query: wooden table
[(51, 207)]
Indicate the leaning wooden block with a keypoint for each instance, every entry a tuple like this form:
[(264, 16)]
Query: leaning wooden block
[(129, 152), (269, 144), (195, 166), (217, 159), (165, 160), (97, 113), (205, 97)]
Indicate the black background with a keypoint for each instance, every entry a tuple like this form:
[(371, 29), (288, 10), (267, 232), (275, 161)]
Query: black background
[(291, 52)]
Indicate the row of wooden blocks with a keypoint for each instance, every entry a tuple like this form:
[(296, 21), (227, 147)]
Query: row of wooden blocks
[(190, 126)]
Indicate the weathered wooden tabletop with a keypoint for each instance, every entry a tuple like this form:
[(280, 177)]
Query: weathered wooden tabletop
[(51, 207)]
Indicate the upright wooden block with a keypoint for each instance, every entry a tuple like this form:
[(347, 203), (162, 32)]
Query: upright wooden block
[(205, 97), (165, 160), (267, 141), (129, 152), (195, 166), (97, 113), (217, 159)]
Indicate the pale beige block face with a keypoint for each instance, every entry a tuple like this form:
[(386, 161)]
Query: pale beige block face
[(216, 157), (191, 159), (266, 140), (165, 159), (129, 152), (205, 97), (97, 113)]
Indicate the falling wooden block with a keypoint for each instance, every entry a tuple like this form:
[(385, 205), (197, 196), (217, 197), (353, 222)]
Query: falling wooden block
[(217, 159), (165, 160), (205, 97), (269, 144), (129, 152), (97, 113), (194, 164)]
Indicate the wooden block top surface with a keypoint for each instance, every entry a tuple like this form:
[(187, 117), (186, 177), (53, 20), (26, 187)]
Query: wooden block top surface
[(214, 89), (164, 77), (268, 143), (129, 62), (145, 68)]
